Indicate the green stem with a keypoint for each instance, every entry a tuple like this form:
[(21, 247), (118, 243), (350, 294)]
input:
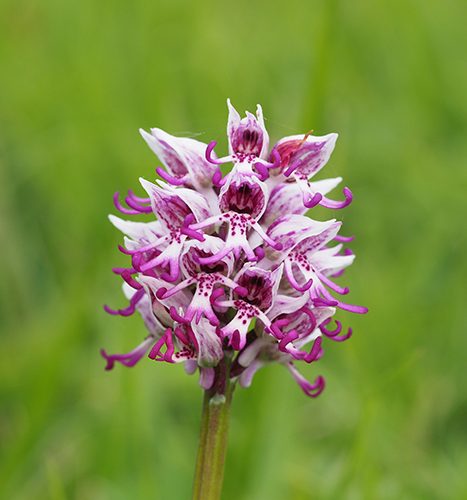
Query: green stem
[(212, 447)]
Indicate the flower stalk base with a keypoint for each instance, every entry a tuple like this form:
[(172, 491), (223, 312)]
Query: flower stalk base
[(212, 447)]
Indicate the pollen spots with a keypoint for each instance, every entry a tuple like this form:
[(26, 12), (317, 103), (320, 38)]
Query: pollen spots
[(239, 224), (205, 283), (301, 259), (246, 312), (176, 236), (185, 353), (311, 244)]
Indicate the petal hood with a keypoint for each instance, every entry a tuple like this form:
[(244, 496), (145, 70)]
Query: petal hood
[(247, 136), (182, 157)]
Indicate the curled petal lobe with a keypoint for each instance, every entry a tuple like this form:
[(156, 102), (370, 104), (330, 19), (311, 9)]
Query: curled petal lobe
[(308, 388), (326, 202), (131, 358)]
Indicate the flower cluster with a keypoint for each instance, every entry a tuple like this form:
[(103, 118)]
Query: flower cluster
[(232, 268)]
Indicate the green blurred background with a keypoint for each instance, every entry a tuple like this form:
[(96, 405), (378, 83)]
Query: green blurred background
[(77, 80)]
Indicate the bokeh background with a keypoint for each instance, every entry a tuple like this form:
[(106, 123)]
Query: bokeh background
[(77, 80)]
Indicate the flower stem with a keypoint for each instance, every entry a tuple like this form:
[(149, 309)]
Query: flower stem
[(212, 447)]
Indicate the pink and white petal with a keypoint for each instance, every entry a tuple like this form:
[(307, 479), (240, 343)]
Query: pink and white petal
[(276, 277), (165, 151), (286, 198), (325, 186), (194, 155), (191, 365), (161, 307), (330, 263), (181, 156), (170, 209), (248, 355), (233, 123), (197, 203), (313, 153), (247, 375), (139, 231), (290, 230), (260, 117), (248, 135), (206, 377), (286, 304), (131, 245), (323, 313), (209, 343), (312, 243)]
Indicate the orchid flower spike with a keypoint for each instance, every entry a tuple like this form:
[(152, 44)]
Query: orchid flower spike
[(221, 254)]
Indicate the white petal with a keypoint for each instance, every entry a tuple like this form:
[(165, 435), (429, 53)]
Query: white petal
[(138, 231)]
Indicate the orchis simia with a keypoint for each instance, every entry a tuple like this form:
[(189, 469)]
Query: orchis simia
[(223, 251)]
